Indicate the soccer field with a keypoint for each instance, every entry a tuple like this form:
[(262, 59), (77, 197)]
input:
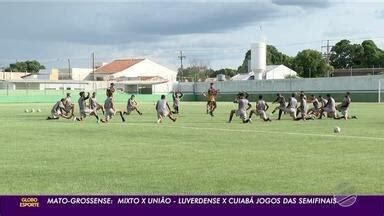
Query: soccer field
[(198, 154)]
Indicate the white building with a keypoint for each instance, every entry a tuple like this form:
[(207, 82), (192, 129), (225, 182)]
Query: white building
[(137, 75), (134, 69), (271, 72)]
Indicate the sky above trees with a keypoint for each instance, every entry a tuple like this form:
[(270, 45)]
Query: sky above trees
[(215, 32)]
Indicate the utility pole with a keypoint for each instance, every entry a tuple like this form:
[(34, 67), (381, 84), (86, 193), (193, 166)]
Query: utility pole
[(93, 70), (69, 69), (181, 57), (327, 54)]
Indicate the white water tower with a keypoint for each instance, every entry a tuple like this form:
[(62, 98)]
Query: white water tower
[(259, 59)]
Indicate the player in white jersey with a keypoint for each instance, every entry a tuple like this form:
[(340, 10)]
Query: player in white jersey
[(176, 96), (261, 108), (241, 111), (291, 107), (163, 110), (93, 105), (84, 110), (343, 108), (329, 108), (58, 110), (69, 105), (132, 106), (110, 109), (303, 109)]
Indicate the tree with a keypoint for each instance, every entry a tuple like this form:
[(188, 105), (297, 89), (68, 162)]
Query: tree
[(310, 63), (226, 71), (345, 55), (25, 66)]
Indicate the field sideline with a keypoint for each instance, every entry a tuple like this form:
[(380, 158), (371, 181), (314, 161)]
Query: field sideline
[(197, 154)]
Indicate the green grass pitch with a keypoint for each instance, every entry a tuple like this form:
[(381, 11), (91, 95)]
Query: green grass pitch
[(198, 154)]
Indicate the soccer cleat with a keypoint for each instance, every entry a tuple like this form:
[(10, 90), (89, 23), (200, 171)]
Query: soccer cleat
[(354, 117), (211, 113), (249, 120), (230, 121)]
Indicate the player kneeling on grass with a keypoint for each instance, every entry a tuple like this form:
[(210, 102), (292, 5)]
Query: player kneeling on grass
[(329, 108), (163, 110), (315, 110), (93, 105), (303, 110), (109, 108), (57, 110), (84, 110), (242, 109), (69, 105), (261, 108), (132, 106), (344, 107)]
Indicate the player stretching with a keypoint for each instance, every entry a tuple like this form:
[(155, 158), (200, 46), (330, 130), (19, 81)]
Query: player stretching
[(315, 110), (211, 99), (57, 111), (93, 105), (261, 108), (242, 108), (84, 110), (344, 107), (109, 108), (303, 109), (291, 107), (281, 100), (163, 110), (176, 101), (329, 108), (132, 106), (69, 106)]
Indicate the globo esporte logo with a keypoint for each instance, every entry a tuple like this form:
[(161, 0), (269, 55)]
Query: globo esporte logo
[(29, 202)]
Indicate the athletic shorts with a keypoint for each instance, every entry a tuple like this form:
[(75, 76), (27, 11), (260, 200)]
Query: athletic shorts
[(241, 113), (86, 112), (329, 110), (55, 114), (162, 114), (109, 113), (130, 109), (344, 111), (261, 113), (291, 111)]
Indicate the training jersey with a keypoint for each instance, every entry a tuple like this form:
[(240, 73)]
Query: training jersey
[(331, 104), (316, 103), (303, 104), (292, 103), (176, 98), (212, 93), (346, 102), (243, 103), (108, 103), (161, 105), (82, 103), (260, 105), (131, 103), (59, 105), (92, 103), (323, 102), (68, 102), (281, 101)]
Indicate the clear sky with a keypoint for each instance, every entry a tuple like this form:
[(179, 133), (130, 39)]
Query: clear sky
[(213, 32)]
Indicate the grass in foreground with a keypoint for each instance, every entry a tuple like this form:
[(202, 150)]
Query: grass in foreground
[(196, 155)]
